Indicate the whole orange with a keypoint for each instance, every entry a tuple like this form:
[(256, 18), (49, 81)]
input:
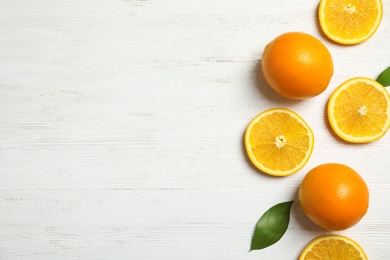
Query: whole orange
[(334, 196), (297, 65)]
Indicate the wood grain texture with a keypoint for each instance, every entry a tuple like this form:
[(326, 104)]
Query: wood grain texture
[(122, 122)]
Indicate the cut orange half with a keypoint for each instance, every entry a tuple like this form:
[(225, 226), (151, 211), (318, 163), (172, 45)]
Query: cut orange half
[(333, 247), (350, 21), (279, 142), (359, 110)]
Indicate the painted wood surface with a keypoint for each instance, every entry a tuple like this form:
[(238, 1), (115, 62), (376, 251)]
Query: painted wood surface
[(122, 122)]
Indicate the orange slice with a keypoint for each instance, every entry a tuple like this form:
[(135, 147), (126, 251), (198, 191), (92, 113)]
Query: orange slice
[(333, 247), (350, 21), (359, 110), (279, 142)]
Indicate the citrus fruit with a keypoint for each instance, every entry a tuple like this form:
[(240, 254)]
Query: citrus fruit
[(297, 65), (350, 22), (359, 110), (334, 196), (333, 247), (279, 142)]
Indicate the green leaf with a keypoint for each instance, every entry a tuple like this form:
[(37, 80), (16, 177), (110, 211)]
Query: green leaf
[(384, 77), (271, 226)]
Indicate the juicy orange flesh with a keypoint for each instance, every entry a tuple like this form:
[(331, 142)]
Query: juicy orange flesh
[(350, 18), (333, 249), (361, 110), (285, 127)]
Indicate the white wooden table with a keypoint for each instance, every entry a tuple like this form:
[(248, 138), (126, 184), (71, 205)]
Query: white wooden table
[(122, 122)]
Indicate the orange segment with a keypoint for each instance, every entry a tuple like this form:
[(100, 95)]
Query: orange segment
[(359, 110), (279, 142), (333, 247), (350, 21)]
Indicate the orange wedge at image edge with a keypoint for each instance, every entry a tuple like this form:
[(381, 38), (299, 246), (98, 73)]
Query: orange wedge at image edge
[(279, 142), (332, 247), (350, 22), (359, 110)]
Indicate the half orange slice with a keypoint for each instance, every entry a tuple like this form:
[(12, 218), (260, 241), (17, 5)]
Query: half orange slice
[(333, 247), (279, 142), (350, 21), (359, 110)]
